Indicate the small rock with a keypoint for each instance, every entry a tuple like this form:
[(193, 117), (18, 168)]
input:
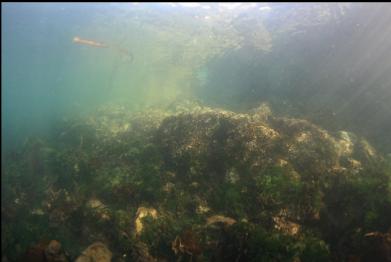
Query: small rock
[(42, 252), (53, 252), (97, 252), (143, 212), (220, 219)]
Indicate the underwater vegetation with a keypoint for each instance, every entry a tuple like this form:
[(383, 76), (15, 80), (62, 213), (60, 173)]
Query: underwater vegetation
[(195, 183)]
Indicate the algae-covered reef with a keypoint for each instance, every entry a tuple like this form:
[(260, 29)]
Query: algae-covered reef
[(194, 183)]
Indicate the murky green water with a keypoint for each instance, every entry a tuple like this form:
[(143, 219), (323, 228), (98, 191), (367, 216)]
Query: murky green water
[(241, 132)]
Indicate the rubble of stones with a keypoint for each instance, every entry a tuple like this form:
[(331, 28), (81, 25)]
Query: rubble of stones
[(194, 183)]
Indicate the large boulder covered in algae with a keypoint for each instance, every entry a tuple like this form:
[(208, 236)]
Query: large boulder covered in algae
[(188, 130), (220, 138), (215, 137), (277, 163)]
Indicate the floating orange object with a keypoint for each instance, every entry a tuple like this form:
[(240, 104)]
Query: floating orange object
[(79, 40)]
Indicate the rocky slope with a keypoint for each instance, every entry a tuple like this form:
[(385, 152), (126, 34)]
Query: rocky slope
[(196, 183)]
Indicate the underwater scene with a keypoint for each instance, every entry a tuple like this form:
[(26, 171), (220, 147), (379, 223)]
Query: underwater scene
[(196, 132)]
